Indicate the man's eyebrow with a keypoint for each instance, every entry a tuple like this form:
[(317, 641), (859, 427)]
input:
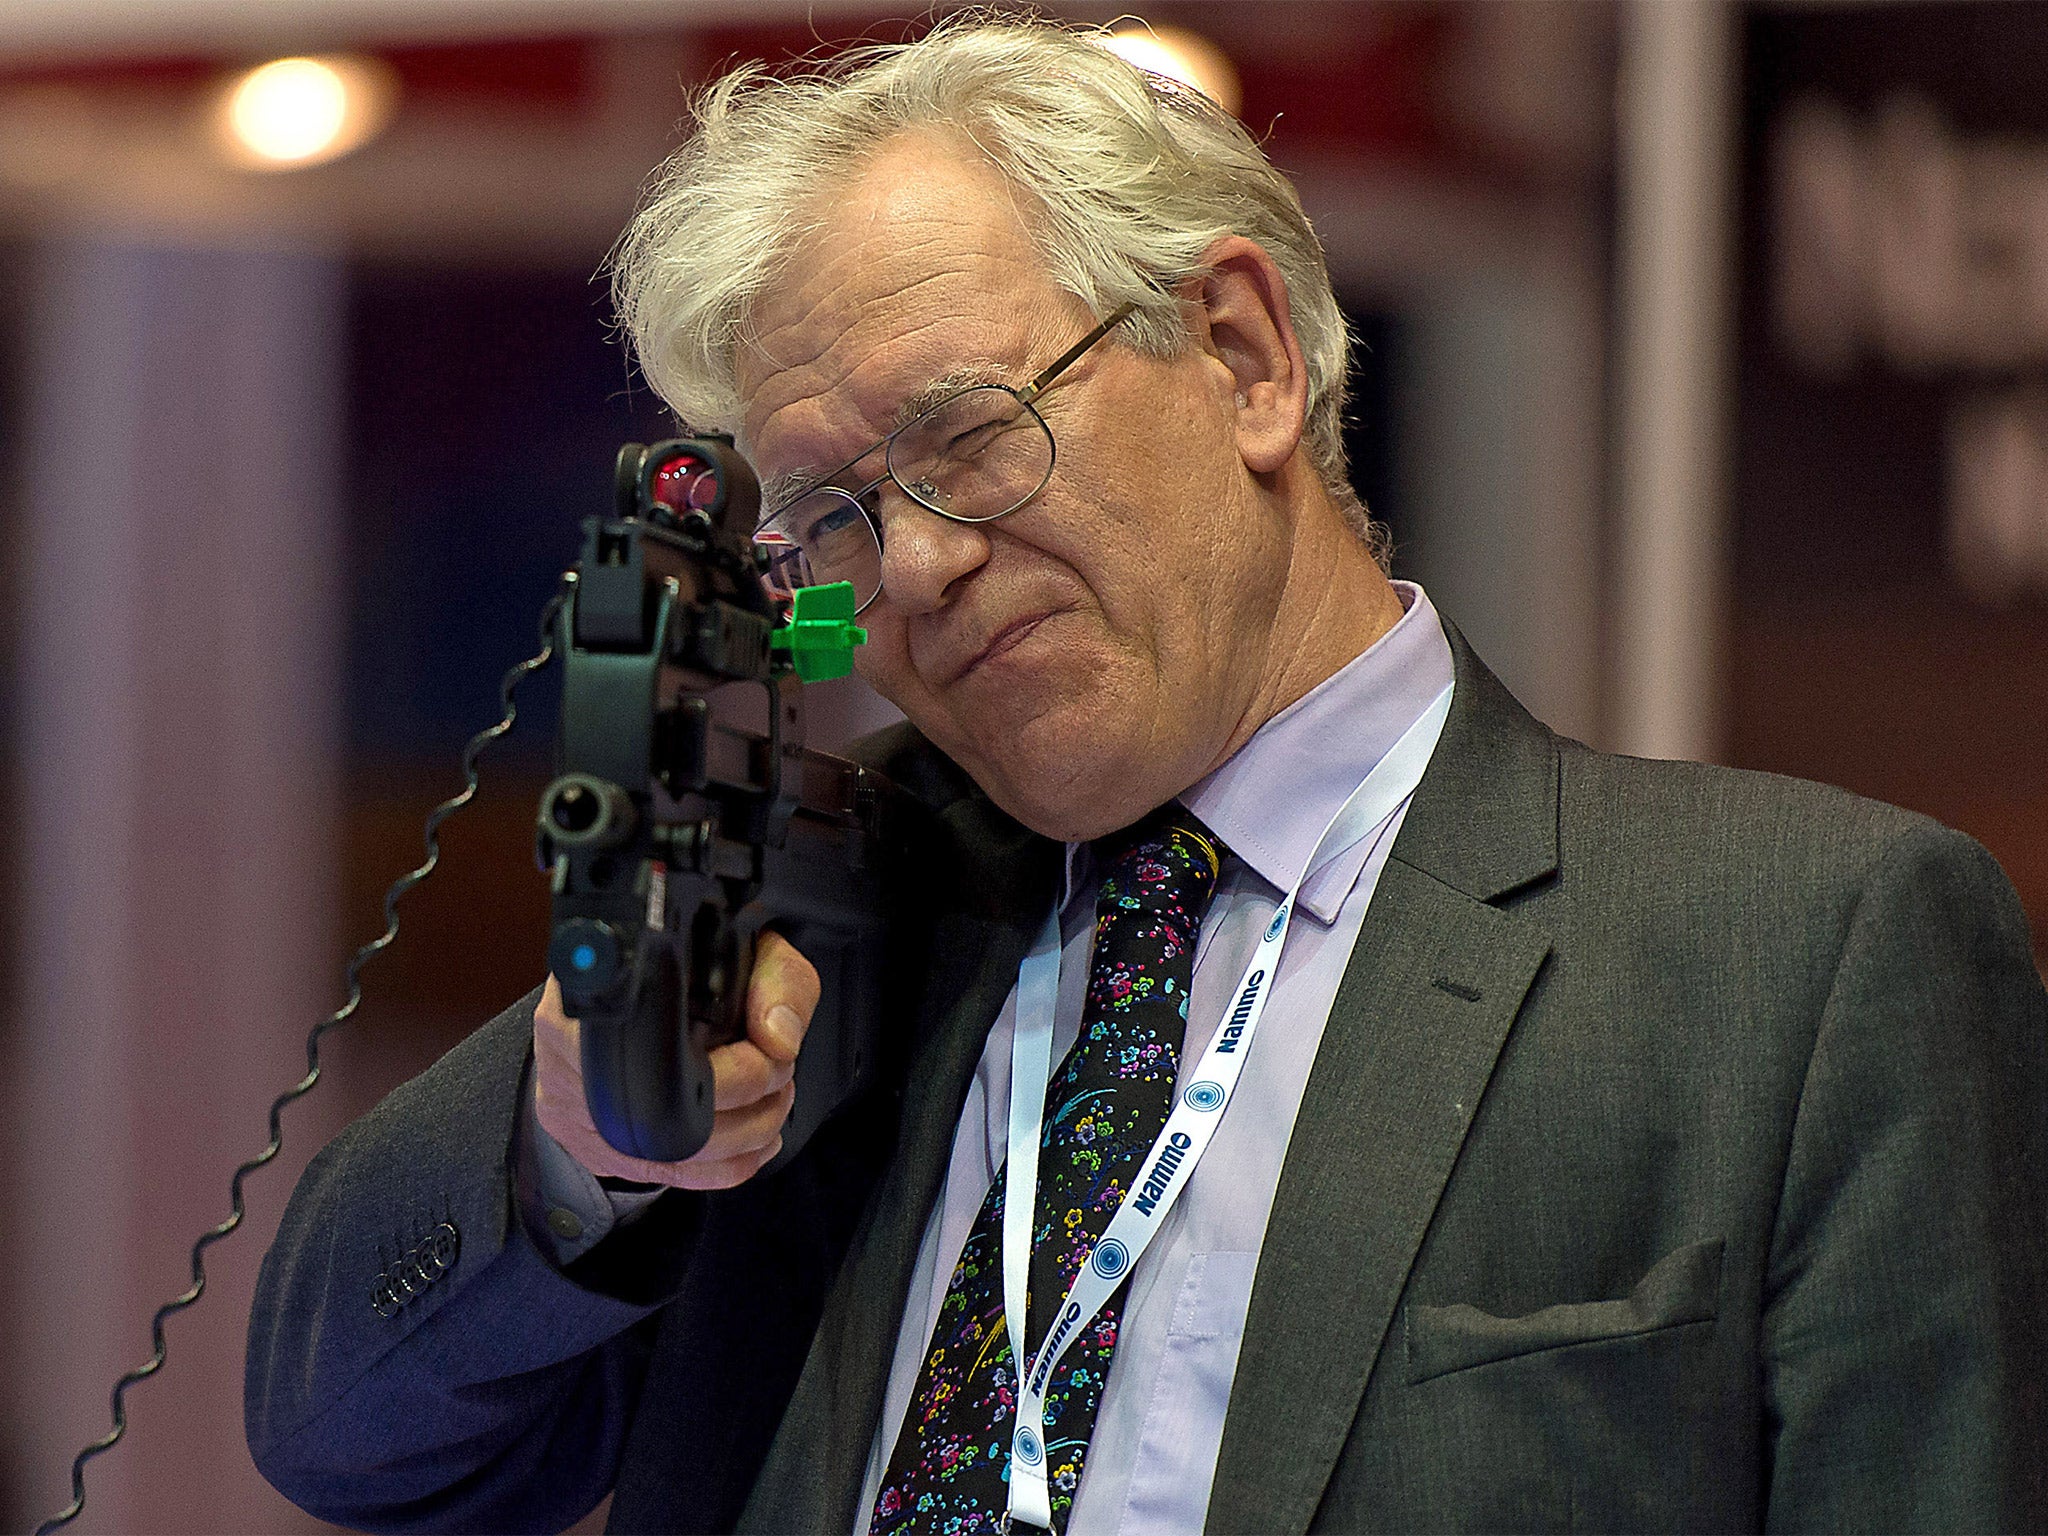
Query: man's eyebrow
[(786, 486), (790, 484), (964, 377)]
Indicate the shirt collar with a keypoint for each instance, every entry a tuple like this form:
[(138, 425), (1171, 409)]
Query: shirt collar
[(1276, 794)]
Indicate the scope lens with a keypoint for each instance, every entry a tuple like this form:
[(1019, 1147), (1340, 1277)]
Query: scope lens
[(685, 484)]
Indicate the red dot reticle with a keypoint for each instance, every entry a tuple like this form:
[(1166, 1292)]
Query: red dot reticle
[(684, 484)]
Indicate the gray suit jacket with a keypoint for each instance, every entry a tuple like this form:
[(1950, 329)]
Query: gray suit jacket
[(1676, 1157)]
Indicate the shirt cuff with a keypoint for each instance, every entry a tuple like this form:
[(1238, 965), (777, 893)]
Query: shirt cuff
[(564, 1206)]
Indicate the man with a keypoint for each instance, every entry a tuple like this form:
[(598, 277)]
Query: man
[(1626, 1145)]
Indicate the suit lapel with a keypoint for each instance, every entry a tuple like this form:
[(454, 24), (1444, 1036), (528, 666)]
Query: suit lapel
[(816, 1466), (1434, 985), (1402, 1067)]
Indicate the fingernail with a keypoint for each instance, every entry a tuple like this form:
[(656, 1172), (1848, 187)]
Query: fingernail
[(785, 1027)]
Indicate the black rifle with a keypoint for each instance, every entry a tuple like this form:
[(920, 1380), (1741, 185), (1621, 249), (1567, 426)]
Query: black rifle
[(672, 838)]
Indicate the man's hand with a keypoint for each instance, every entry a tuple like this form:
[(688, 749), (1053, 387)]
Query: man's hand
[(751, 1078)]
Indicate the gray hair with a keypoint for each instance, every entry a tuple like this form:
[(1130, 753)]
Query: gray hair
[(1133, 176)]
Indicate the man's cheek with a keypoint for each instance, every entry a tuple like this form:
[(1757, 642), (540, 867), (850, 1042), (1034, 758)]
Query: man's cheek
[(882, 667), (896, 680)]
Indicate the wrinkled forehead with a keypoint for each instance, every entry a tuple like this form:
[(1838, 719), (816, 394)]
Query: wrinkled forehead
[(918, 269)]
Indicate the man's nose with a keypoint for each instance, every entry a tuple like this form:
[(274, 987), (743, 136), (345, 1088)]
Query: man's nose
[(924, 554)]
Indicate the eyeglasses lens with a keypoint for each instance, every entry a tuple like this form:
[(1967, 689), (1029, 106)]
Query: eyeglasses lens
[(821, 538), (972, 457)]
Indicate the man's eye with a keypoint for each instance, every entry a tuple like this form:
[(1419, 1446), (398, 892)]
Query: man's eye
[(968, 441), (974, 440), (836, 519)]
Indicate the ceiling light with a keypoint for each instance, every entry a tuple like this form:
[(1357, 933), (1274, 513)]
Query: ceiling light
[(1179, 55), (305, 111)]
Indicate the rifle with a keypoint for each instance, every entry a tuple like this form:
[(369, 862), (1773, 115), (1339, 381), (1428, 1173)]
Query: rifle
[(672, 838)]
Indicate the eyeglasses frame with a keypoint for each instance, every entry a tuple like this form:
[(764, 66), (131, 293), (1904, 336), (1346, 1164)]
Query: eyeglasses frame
[(1025, 396)]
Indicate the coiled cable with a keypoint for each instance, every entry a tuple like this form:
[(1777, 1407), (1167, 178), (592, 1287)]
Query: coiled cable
[(507, 686)]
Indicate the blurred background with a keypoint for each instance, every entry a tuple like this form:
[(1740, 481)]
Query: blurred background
[(1701, 379)]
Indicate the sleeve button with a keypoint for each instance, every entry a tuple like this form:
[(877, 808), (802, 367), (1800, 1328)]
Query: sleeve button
[(565, 1223)]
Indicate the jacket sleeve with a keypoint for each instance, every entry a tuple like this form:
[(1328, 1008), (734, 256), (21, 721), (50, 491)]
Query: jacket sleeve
[(1904, 1355), (415, 1362)]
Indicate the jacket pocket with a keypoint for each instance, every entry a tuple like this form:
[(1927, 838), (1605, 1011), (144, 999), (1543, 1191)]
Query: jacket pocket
[(1683, 1287)]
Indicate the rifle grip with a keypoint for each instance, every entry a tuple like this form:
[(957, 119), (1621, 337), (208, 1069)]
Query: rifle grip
[(646, 1074)]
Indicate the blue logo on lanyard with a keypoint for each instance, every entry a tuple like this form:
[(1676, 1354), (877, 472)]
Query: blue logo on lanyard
[(1111, 1258), (1028, 1450), (1279, 921), (1204, 1095)]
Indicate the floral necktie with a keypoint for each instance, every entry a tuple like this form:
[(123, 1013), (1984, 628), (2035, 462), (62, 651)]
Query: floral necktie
[(1103, 1109)]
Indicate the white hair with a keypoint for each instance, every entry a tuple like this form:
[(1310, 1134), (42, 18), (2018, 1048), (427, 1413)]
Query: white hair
[(1130, 178)]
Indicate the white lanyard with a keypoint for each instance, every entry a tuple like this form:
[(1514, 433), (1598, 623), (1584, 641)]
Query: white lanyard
[(1171, 1162)]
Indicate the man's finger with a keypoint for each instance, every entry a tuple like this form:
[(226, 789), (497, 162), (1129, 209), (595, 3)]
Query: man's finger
[(728, 1174), (781, 997), (739, 1131), (742, 1072), (584, 1144)]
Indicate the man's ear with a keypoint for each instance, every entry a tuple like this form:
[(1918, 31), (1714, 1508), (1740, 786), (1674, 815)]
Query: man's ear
[(1239, 315)]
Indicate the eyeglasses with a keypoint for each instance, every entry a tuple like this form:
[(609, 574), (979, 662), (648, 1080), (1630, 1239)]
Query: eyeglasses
[(977, 455)]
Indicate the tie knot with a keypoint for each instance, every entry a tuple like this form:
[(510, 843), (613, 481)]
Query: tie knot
[(1165, 862)]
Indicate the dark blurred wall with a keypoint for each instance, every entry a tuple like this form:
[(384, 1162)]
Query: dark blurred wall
[(1371, 435), (1890, 521), (13, 316), (484, 407)]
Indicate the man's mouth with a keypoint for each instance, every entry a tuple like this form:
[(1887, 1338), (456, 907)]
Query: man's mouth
[(1005, 639)]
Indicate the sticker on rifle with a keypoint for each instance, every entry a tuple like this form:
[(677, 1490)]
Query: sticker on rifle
[(657, 893)]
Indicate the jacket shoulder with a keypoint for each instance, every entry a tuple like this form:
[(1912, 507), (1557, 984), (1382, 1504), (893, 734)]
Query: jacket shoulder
[(1759, 861), (1718, 817)]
